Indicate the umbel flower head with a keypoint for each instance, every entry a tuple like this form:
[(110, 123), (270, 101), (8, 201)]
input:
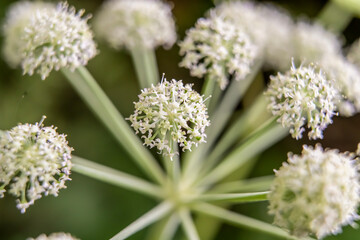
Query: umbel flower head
[(313, 42), (302, 95), (217, 48), (315, 193), (52, 38), (18, 15), (55, 236), (170, 113), (346, 78), (34, 160), (268, 26), (136, 23)]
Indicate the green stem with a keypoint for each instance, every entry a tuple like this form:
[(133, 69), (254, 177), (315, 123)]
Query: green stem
[(188, 224), (145, 65), (241, 220), (334, 17), (254, 184), (208, 89), (268, 134), (101, 105), (170, 228), (244, 124), (214, 100), (145, 220), (115, 177), (235, 197), (165, 229), (235, 91)]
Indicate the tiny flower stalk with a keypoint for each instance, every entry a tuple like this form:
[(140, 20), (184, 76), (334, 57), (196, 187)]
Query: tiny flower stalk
[(139, 26), (336, 14)]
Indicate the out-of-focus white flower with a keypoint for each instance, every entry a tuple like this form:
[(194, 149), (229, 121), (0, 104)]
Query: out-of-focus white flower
[(17, 17), (216, 48), (136, 23), (55, 236), (313, 43), (354, 53), (302, 96), (346, 77), (50, 38), (271, 28), (315, 193), (34, 160), (170, 113)]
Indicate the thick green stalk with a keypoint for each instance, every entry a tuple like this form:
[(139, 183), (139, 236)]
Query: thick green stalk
[(165, 229), (243, 125), (223, 112), (268, 134), (145, 220), (188, 224), (115, 177), (334, 17), (241, 220), (101, 105), (254, 184), (234, 197), (145, 65)]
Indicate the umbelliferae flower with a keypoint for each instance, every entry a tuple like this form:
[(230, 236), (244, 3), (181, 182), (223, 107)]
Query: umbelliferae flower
[(302, 96), (270, 27), (217, 48), (315, 193), (55, 236), (136, 23), (51, 38), (17, 17), (170, 113), (34, 160)]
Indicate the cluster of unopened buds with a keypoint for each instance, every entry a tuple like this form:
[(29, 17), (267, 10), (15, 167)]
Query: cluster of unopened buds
[(199, 139)]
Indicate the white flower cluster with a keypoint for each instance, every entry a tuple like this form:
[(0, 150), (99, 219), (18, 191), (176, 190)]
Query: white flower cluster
[(216, 48), (52, 38), (17, 17), (34, 160), (315, 193), (136, 23), (269, 27), (346, 78), (302, 95), (354, 53), (313, 42), (170, 113), (55, 236)]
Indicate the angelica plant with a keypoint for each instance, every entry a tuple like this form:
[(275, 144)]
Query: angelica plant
[(203, 148)]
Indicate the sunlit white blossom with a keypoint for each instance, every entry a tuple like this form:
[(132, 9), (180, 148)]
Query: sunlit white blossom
[(52, 38), (136, 23), (313, 42), (55, 236), (270, 27), (216, 48), (34, 161), (302, 97), (315, 193), (17, 16), (170, 113)]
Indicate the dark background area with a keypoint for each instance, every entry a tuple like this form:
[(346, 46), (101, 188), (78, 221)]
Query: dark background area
[(92, 210)]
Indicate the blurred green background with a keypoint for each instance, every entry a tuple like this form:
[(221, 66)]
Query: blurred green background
[(90, 209)]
